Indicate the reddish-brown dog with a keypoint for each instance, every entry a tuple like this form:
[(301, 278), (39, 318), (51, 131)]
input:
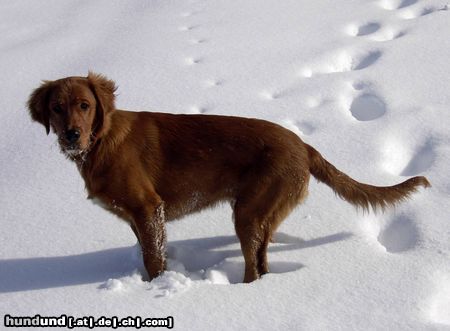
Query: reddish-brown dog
[(149, 168)]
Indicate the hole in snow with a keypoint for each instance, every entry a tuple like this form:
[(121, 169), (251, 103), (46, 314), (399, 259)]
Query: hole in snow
[(400, 235), (366, 60), (406, 3), (421, 161), (396, 4), (368, 29), (367, 107)]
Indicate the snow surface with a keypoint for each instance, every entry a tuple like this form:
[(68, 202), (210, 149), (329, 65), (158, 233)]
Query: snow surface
[(365, 81)]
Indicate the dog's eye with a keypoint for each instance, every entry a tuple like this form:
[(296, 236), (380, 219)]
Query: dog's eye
[(84, 106), (57, 109)]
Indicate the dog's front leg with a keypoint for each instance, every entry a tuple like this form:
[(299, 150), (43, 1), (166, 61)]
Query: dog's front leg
[(149, 223)]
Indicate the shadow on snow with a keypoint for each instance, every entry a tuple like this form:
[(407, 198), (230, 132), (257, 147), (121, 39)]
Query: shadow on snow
[(195, 254)]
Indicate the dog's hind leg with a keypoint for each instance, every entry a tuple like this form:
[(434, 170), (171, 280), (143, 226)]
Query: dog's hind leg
[(260, 208), (251, 237), (261, 205)]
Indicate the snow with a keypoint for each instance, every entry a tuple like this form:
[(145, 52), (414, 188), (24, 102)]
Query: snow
[(366, 82)]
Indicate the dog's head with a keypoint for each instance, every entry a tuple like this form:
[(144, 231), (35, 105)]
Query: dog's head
[(77, 109)]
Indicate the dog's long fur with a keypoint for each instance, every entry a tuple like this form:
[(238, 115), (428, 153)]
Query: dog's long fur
[(149, 168)]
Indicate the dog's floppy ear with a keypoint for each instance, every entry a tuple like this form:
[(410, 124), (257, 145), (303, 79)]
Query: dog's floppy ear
[(38, 104), (103, 89)]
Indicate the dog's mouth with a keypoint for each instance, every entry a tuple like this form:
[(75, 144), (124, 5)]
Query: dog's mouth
[(72, 150)]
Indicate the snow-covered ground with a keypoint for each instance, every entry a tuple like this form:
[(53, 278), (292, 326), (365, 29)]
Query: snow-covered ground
[(365, 81)]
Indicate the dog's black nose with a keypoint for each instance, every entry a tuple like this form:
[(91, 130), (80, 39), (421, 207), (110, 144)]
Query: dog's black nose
[(73, 135)]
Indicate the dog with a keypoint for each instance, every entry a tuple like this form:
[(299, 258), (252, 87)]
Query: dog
[(150, 168)]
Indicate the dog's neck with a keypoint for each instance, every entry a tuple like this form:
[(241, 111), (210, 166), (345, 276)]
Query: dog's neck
[(104, 146)]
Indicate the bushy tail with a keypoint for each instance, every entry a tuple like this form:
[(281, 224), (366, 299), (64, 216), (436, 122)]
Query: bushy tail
[(359, 194)]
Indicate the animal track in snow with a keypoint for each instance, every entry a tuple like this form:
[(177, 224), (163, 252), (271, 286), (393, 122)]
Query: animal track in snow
[(375, 31), (400, 235), (186, 28), (197, 41), (360, 85), (396, 4), (387, 34), (367, 107), (192, 60), (213, 82), (342, 61), (418, 12), (366, 60), (404, 161), (421, 160), (363, 30), (395, 234), (428, 10)]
